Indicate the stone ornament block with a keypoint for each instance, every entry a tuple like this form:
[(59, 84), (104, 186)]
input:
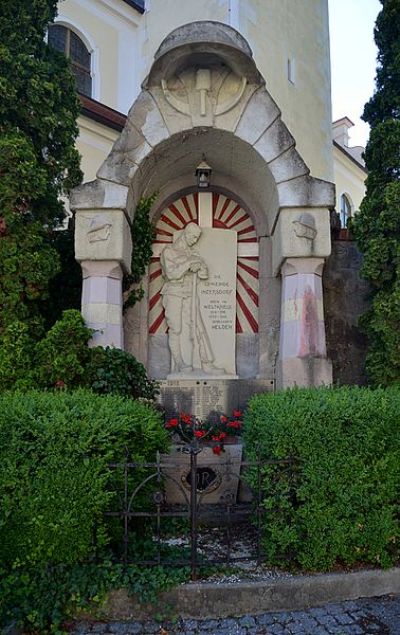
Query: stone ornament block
[(99, 194), (307, 372), (103, 235), (301, 233)]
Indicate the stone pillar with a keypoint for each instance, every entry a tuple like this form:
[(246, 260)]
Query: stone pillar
[(302, 351), (103, 247), (102, 301)]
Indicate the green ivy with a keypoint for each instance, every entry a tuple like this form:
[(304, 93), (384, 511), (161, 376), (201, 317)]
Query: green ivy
[(142, 234), (111, 370), (44, 599), (377, 225)]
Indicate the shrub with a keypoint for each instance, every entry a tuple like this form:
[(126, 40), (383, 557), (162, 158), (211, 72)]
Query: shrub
[(54, 475), (111, 370), (16, 357), (62, 359), (55, 483), (336, 502), (62, 355)]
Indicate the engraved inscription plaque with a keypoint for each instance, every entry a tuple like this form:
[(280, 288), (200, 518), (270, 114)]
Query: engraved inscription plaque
[(202, 397)]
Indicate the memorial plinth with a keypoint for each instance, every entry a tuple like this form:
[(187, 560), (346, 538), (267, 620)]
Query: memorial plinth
[(203, 397)]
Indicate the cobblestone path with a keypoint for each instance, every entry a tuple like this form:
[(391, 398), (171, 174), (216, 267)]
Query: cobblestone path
[(372, 616)]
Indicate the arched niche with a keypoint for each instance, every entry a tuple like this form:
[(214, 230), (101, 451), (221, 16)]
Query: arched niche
[(205, 96)]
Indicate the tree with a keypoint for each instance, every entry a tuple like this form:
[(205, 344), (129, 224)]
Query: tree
[(38, 160), (377, 226)]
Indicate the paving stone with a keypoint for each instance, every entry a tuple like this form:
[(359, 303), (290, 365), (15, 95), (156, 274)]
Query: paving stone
[(379, 616), (317, 612), (276, 629), (355, 629), (151, 627), (82, 628), (189, 625), (247, 621), (344, 618), (284, 617), (328, 621), (117, 628), (266, 619), (306, 620), (227, 623), (209, 625), (350, 605), (99, 628)]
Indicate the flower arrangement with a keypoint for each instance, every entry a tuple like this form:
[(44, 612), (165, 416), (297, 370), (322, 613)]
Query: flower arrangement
[(215, 429)]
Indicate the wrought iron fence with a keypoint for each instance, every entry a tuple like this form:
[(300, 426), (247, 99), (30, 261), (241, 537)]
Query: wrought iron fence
[(181, 487)]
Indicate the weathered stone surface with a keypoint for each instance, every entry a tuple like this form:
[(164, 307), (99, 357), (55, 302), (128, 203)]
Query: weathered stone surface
[(247, 355), (306, 191), (261, 111), (287, 166), (288, 243), (103, 235), (275, 140), (309, 372), (99, 194), (204, 396)]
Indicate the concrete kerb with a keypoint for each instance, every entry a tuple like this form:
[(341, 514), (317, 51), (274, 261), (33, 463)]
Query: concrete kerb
[(219, 600)]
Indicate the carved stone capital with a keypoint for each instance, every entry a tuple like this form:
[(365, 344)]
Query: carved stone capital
[(295, 266), (300, 233), (103, 235), (101, 269)]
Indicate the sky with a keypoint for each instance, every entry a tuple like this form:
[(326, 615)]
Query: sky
[(353, 60)]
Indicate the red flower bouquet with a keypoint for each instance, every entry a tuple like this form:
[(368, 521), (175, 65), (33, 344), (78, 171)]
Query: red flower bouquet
[(216, 429)]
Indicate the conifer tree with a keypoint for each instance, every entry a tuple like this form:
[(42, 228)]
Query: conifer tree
[(377, 226), (38, 160)]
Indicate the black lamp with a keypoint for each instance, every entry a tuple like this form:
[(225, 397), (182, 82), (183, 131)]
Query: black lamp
[(203, 174)]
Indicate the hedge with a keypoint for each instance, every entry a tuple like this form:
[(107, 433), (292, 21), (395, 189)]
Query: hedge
[(335, 501), (55, 485)]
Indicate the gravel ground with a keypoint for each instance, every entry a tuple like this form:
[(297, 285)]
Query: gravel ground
[(372, 616)]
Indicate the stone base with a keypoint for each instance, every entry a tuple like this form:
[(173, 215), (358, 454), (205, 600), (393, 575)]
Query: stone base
[(199, 374), (217, 476), (304, 373), (201, 397)]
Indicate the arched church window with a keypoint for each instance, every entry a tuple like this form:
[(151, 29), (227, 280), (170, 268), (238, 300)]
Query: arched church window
[(66, 41), (345, 210)]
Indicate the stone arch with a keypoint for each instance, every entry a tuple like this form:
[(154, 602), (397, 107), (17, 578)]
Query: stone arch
[(204, 95)]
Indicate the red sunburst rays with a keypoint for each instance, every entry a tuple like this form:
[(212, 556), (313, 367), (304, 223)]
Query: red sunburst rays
[(227, 214)]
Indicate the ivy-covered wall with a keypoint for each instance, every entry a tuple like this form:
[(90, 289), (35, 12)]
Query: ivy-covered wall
[(345, 300)]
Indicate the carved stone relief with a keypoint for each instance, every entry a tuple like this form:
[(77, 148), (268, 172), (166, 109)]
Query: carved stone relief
[(204, 93), (99, 229), (197, 301)]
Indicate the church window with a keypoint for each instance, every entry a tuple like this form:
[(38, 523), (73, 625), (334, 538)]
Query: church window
[(291, 70), (345, 210), (68, 42)]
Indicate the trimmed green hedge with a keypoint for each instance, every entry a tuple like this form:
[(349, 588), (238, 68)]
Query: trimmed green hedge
[(55, 485), (54, 475), (337, 501)]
